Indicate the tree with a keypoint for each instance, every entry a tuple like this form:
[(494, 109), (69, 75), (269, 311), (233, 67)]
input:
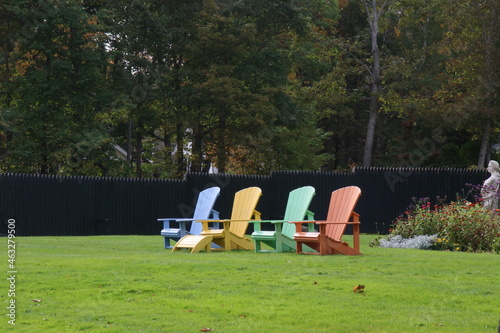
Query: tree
[(8, 25), (59, 78), (148, 46), (438, 86), (247, 86), (239, 62), (474, 32), (374, 12), (412, 68)]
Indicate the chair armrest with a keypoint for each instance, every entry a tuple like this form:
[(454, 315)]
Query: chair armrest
[(304, 221), (298, 225), (267, 221), (256, 218), (257, 223), (309, 215), (206, 222), (332, 222), (182, 222), (225, 226), (354, 216), (227, 220)]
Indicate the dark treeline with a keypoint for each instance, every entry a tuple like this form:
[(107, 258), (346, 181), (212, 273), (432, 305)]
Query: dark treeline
[(155, 88)]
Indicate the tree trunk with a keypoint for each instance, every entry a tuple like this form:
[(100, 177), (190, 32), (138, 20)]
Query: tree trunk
[(221, 146), (169, 151), (179, 154), (370, 131), (375, 87), (138, 150), (490, 27), (129, 142), (196, 150), (485, 143), (44, 166)]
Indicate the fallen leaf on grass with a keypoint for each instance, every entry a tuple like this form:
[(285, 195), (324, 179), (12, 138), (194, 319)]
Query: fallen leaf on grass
[(315, 282), (359, 288), (37, 300), (243, 316), (206, 329)]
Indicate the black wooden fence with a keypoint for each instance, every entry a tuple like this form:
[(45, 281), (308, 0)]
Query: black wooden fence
[(65, 206)]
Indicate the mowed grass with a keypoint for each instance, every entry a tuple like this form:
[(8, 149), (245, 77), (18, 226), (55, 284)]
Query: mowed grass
[(133, 284)]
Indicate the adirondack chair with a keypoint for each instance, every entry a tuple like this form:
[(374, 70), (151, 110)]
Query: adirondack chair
[(340, 214), (281, 238), (232, 236), (203, 210)]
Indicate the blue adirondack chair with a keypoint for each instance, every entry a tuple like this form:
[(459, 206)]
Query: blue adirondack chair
[(203, 210), (281, 238)]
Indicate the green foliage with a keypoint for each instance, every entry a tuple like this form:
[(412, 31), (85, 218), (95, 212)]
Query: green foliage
[(59, 89), (247, 85), (457, 226)]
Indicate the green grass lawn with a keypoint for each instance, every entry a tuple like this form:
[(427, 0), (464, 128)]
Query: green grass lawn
[(133, 284)]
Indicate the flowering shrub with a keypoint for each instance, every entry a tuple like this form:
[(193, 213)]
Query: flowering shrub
[(457, 226)]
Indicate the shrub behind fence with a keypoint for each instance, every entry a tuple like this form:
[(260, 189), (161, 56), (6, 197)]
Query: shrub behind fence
[(65, 205)]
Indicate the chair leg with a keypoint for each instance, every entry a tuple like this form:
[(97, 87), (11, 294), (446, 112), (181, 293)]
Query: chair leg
[(355, 235), (299, 248), (279, 245), (167, 243), (257, 246)]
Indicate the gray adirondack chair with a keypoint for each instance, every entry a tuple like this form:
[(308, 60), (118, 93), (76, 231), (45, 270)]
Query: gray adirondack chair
[(203, 211)]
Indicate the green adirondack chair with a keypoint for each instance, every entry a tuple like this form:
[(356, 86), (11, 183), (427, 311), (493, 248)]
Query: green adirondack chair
[(281, 238)]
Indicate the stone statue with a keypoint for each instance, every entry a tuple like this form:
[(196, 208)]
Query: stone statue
[(489, 191)]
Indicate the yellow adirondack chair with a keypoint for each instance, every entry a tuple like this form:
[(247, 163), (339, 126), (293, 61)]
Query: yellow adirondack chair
[(232, 236), (329, 238)]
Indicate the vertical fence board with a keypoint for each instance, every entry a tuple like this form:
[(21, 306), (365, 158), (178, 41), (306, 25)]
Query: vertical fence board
[(66, 206)]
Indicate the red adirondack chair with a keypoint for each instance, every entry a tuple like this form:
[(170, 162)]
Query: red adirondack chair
[(329, 238)]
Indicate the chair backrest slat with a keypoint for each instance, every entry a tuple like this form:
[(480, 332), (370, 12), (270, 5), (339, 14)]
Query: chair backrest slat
[(204, 206), (245, 202), (296, 208), (342, 205)]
